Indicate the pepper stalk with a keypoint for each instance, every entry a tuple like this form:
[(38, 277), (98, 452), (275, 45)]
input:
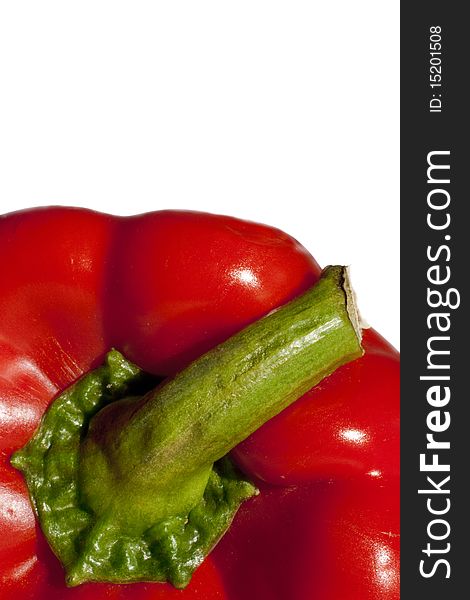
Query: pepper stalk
[(132, 487)]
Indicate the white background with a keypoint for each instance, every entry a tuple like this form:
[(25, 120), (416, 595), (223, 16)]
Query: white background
[(280, 112)]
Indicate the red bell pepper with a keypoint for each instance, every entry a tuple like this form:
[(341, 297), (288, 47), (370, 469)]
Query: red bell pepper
[(163, 288)]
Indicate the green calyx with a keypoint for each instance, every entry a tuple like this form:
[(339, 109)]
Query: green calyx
[(94, 545), (132, 483)]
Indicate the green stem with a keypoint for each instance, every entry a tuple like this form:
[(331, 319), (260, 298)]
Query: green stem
[(146, 461)]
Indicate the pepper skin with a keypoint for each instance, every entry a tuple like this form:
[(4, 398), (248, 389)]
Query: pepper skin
[(163, 288)]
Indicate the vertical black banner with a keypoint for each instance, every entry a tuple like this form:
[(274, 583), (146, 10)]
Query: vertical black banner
[(435, 230)]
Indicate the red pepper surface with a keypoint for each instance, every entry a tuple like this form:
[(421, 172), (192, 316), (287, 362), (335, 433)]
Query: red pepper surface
[(163, 288)]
